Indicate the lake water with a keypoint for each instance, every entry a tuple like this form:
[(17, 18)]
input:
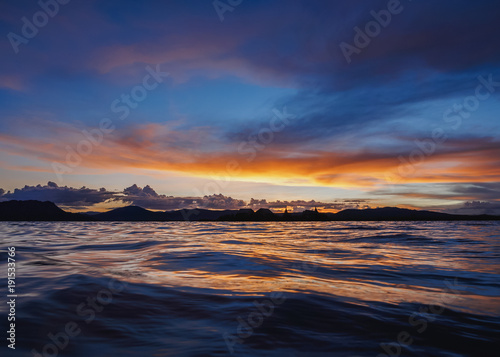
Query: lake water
[(259, 289)]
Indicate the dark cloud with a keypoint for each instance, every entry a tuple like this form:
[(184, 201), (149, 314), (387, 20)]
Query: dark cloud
[(477, 207), (134, 190), (472, 191), (300, 205), (221, 202), (65, 196), (480, 198), (148, 198), (479, 190), (430, 51)]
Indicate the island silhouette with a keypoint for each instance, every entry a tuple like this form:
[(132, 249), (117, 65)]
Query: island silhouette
[(32, 210)]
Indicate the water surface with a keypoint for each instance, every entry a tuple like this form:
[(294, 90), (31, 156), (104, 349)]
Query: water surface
[(259, 289)]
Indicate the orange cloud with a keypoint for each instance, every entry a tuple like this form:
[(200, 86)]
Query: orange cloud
[(158, 148)]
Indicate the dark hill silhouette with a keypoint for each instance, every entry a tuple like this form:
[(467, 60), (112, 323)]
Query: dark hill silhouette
[(48, 211), (264, 214), (196, 214), (129, 213), (37, 211), (402, 214), (136, 213), (308, 215)]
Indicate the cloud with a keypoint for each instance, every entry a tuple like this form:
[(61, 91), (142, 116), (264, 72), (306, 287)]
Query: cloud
[(134, 190), (147, 197), (296, 42), (479, 198), (65, 196), (477, 207), (219, 201), (451, 192), (300, 205), (160, 148)]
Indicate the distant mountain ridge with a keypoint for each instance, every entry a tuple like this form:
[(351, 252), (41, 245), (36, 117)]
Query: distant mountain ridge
[(136, 213), (403, 214), (37, 211), (48, 211)]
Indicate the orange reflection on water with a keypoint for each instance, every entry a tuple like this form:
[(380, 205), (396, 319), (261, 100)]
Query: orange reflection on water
[(359, 262)]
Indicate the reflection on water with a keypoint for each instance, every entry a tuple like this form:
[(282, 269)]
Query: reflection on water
[(207, 289)]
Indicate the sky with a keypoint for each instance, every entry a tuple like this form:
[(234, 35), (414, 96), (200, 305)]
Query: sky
[(237, 103)]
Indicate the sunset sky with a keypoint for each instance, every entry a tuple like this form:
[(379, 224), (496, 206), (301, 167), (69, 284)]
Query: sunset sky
[(159, 103)]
